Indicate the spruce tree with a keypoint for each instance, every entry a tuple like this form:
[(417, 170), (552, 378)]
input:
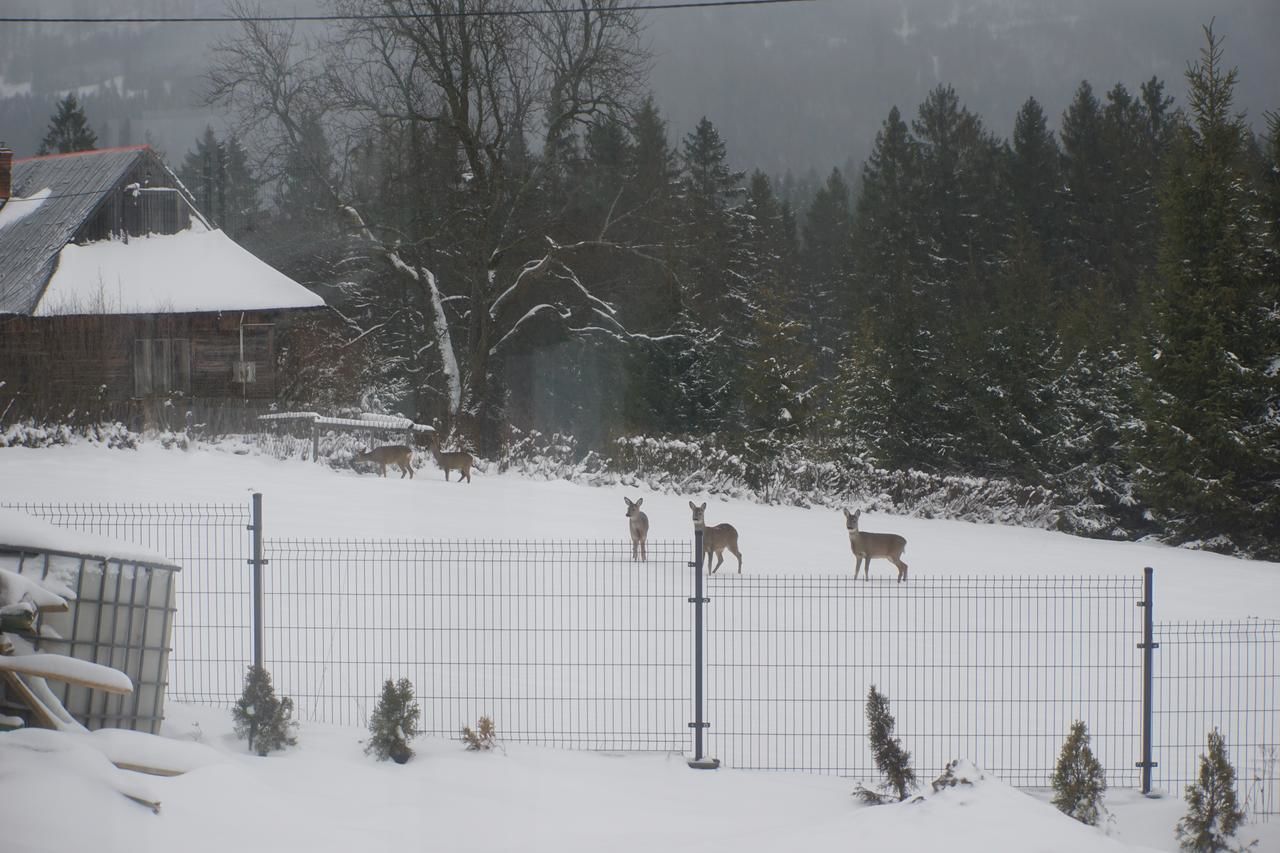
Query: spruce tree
[(1213, 815), (1211, 456), (883, 381), (69, 130), (217, 175), (394, 722), (1078, 779), (1034, 174), (890, 758), (262, 718)]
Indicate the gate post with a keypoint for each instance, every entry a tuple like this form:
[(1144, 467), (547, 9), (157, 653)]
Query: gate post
[(257, 561), (699, 761), (1148, 646)]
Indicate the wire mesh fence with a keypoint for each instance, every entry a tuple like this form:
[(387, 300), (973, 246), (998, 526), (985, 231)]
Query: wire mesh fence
[(574, 644), (1223, 675), (562, 643), (990, 669), (212, 625)]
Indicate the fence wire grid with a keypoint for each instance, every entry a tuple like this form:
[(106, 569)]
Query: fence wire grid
[(212, 639), (986, 668), (573, 644), (562, 643)]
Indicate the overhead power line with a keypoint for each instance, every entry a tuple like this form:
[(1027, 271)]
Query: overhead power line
[(481, 13)]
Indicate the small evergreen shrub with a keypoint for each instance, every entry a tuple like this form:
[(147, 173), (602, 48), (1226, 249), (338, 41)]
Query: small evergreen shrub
[(261, 717), (1078, 780), (1213, 815), (891, 759), (394, 722), (483, 737)]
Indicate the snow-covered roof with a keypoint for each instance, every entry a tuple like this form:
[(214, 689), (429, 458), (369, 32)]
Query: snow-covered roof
[(22, 532), (44, 271), (196, 270), (52, 198)]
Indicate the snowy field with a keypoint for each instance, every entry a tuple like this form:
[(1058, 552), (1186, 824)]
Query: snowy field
[(307, 500), (326, 795)]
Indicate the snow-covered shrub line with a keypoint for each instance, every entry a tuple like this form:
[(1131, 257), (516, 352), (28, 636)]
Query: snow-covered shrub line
[(806, 474)]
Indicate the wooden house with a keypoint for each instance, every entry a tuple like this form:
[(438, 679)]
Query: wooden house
[(118, 298)]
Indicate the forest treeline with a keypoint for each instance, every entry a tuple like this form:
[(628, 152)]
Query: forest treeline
[(1092, 311)]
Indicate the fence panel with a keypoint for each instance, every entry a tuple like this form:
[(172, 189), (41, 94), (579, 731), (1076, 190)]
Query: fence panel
[(561, 643), (990, 669), (212, 639), (1223, 675)]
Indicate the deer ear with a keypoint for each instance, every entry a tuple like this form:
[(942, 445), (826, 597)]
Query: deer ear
[(703, 507), (692, 505), (628, 500)]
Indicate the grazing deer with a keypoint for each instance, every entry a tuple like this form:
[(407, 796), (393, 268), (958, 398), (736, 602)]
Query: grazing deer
[(715, 539), (639, 526), (868, 545), (390, 454), (450, 460)]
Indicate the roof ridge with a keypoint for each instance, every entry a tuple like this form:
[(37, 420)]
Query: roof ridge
[(116, 150)]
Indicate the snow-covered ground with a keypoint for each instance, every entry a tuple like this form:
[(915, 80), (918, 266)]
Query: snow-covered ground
[(327, 795), (308, 500)]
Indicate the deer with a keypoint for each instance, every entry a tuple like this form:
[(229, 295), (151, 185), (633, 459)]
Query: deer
[(866, 545), (450, 460), (715, 539), (638, 524), (390, 454)]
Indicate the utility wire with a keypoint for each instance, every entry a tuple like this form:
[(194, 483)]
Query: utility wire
[(480, 13)]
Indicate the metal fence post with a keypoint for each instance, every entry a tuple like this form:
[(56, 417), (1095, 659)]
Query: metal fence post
[(699, 761), (1148, 646), (257, 561)]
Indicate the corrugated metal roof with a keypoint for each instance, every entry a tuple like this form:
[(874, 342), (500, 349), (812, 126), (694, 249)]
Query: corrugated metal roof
[(29, 247)]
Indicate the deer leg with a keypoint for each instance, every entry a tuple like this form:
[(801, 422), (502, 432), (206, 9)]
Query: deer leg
[(644, 550), (902, 569), (738, 554)]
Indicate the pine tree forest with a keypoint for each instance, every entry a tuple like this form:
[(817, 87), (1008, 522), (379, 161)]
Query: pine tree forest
[(514, 238)]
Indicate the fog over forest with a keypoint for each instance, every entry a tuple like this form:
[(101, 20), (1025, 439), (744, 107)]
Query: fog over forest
[(794, 87)]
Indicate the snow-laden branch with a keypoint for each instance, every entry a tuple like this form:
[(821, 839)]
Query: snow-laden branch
[(529, 315), (534, 270), (447, 356)]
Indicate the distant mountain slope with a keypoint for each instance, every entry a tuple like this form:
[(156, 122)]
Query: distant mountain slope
[(794, 86)]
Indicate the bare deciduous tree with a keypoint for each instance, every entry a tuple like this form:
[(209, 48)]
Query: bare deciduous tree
[(454, 79)]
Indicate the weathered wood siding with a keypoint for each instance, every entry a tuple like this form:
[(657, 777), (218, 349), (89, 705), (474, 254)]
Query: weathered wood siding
[(79, 360), (155, 208)]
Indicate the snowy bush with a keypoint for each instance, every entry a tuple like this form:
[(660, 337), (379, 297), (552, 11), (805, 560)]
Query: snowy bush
[(483, 737), (262, 718), (30, 434), (394, 722), (1213, 814), (1078, 779), (890, 758)]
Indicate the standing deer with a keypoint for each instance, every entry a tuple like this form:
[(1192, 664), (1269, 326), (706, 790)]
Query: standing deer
[(867, 545), (715, 539), (450, 460), (639, 525), (390, 454)]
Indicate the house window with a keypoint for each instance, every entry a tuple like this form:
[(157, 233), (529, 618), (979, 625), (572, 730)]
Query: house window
[(161, 366)]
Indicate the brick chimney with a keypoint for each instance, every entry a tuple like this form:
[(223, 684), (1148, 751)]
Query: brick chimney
[(6, 173)]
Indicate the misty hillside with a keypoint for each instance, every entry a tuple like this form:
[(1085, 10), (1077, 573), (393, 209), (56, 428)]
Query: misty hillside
[(793, 87), (807, 85)]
